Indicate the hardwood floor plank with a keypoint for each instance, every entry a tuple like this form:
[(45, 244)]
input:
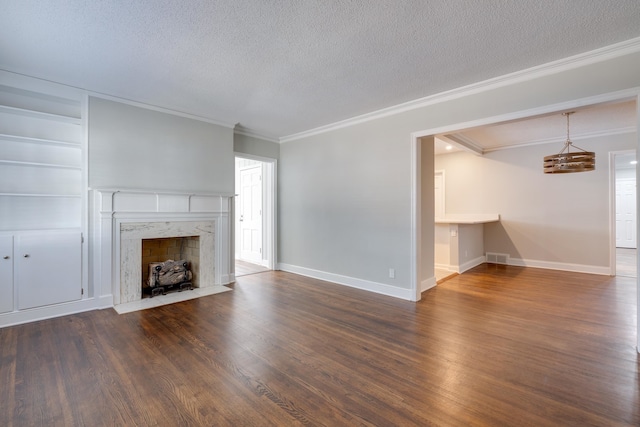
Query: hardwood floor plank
[(493, 346)]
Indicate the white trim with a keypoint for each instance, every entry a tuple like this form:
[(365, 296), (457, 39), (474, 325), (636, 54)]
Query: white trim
[(603, 54), (160, 109), (112, 208), (270, 206), (637, 99), (62, 90), (537, 111), (104, 301), (87, 287), (425, 285), (470, 264), (562, 266), (612, 208), (255, 134), (50, 311), (574, 138), (462, 267), (367, 285), (465, 143), (41, 86), (415, 251)]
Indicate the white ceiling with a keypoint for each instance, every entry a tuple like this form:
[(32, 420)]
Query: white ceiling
[(280, 67)]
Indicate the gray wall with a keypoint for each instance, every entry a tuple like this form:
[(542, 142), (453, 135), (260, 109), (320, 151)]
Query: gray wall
[(138, 148), (562, 218), (343, 203), (345, 195), (255, 146)]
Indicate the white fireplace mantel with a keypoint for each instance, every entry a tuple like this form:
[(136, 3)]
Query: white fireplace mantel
[(114, 208)]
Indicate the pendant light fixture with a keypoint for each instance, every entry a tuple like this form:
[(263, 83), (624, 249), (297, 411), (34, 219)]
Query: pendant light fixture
[(568, 162)]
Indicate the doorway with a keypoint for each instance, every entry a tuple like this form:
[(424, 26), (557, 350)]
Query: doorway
[(254, 215), (625, 206)]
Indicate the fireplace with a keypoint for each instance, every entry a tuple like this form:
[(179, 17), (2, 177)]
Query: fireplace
[(171, 248), (170, 237), (194, 225), (178, 256)]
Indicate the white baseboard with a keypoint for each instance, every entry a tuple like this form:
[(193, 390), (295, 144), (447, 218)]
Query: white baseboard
[(105, 301), (463, 267), (577, 268), (379, 288), (425, 285), (470, 264), (50, 311)]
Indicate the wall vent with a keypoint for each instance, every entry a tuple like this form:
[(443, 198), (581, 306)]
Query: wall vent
[(494, 258)]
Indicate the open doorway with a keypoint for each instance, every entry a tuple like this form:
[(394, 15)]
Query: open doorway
[(625, 214), (254, 215)]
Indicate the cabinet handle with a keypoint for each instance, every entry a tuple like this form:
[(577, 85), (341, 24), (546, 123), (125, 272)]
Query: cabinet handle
[(6, 257), (26, 255)]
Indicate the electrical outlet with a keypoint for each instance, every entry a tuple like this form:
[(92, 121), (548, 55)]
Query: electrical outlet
[(392, 273)]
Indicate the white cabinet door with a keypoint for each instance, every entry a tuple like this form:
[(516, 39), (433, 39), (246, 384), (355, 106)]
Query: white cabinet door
[(48, 268), (6, 274)]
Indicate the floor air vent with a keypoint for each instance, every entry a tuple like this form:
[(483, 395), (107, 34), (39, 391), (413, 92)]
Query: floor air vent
[(494, 258)]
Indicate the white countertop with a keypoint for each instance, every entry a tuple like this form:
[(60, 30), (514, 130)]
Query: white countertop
[(468, 219)]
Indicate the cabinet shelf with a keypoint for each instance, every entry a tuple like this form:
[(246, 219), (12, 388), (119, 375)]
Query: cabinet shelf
[(39, 165), (26, 139), (60, 196), (41, 115)]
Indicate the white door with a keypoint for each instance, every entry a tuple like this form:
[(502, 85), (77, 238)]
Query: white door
[(251, 214), (48, 268), (626, 213)]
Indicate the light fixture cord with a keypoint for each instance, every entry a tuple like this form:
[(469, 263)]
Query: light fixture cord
[(568, 142)]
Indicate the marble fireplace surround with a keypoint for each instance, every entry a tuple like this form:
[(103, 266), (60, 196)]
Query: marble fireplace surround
[(131, 236), (122, 218)]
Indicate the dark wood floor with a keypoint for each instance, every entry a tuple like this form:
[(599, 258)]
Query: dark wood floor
[(494, 346)]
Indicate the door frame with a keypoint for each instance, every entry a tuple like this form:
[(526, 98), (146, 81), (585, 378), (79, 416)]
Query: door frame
[(269, 210), (612, 210)]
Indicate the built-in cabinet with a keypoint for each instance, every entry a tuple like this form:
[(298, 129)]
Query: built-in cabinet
[(40, 269), (42, 193), (6, 274)]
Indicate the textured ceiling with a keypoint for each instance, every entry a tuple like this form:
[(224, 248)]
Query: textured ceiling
[(281, 67)]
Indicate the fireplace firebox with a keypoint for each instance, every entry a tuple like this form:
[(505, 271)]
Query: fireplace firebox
[(168, 276)]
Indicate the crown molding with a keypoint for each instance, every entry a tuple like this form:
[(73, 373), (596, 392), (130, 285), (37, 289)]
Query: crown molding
[(41, 87), (255, 134), (160, 109), (63, 90), (576, 137), (566, 64)]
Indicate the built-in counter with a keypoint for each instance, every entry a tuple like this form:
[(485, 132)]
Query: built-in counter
[(468, 219), (459, 241)]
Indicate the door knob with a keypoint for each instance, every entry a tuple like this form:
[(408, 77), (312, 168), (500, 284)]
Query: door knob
[(26, 255), (6, 257)]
